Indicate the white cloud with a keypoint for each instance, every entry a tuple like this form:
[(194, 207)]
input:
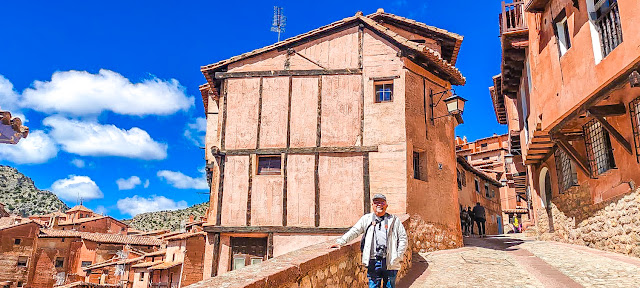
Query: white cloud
[(196, 131), (146, 184), (101, 210), (128, 184), (78, 163), (38, 147), (94, 139), (83, 93), (9, 99), (136, 204), (75, 187), (181, 181)]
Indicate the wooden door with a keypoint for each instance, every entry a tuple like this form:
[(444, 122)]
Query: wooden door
[(247, 251)]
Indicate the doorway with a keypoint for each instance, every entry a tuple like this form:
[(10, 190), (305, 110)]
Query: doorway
[(547, 195)]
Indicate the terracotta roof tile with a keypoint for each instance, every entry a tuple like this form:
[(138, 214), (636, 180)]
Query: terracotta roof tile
[(104, 238), (156, 253), (79, 208), (430, 54), (165, 265), (185, 236), (146, 264)]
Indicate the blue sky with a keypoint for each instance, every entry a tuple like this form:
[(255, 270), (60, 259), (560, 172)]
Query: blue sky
[(110, 88)]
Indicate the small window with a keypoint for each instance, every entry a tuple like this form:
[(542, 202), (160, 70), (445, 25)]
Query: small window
[(85, 263), (419, 41), (59, 262), (566, 171), (484, 145), (459, 178), (634, 110), (477, 185), (20, 284), (420, 166), (62, 239), (485, 158), (599, 151), (22, 261), (269, 165), (487, 193), (256, 261), (384, 90), (416, 165), (17, 241), (562, 33)]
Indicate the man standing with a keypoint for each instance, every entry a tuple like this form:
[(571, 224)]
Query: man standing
[(478, 212), (385, 241), (471, 218)]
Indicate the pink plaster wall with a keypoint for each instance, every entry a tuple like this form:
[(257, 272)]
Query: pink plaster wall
[(341, 107), (236, 185), (341, 186), (225, 254), (300, 190), (285, 243), (275, 98), (242, 113), (304, 107), (266, 200)]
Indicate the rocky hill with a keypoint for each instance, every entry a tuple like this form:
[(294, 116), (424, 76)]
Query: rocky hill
[(171, 220), (20, 195)]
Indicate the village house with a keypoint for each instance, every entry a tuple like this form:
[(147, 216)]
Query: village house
[(493, 156), (82, 219), (569, 92), (17, 249), (476, 186), (302, 133)]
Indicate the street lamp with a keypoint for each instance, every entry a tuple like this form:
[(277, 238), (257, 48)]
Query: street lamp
[(455, 104)]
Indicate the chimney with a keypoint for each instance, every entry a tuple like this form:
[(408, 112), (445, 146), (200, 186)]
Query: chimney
[(191, 218)]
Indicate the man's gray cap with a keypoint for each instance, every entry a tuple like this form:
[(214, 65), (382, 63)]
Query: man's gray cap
[(379, 196)]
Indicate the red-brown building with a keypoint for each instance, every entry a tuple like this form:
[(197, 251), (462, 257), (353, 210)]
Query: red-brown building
[(476, 186), (18, 238), (301, 133), (569, 92)]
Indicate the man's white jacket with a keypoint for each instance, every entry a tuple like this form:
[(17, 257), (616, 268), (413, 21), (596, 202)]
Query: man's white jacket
[(396, 242)]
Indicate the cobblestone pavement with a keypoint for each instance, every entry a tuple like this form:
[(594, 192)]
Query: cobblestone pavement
[(516, 261)]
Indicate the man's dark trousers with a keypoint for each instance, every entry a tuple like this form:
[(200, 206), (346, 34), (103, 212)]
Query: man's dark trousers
[(480, 222), (386, 280)]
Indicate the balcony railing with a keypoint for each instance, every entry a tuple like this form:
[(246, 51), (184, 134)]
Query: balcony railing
[(512, 18), (609, 28)]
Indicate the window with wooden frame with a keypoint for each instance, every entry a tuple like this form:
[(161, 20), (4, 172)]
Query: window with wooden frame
[(22, 261), (459, 179), (420, 165), (599, 151), (565, 170), (383, 90), (487, 192), (17, 241), (477, 183), (606, 19), (269, 165), (634, 111), (561, 29), (247, 251), (59, 262), (85, 263)]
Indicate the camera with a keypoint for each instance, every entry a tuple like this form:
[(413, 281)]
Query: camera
[(381, 252)]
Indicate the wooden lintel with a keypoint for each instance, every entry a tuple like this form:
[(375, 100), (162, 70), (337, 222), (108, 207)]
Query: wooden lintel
[(302, 150), (275, 229), (607, 110), (613, 132), (562, 142), (275, 73)]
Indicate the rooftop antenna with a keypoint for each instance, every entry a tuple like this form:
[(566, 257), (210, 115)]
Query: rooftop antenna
[(279, 21)]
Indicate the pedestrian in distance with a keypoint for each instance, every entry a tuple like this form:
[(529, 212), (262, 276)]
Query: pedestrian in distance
[(471, 219), (464, 221), (383, 244), (480, 218)]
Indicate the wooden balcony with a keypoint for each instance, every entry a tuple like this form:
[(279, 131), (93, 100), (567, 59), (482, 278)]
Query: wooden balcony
[(498, 100), (536, 6), (512, 18), (514, 35), (608, 26)]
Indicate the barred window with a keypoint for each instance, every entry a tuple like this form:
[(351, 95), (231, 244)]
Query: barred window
[(599, 152), (566, 171), (634, 110)]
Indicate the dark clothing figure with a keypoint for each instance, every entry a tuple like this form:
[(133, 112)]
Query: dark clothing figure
[(480, 218), (471, 218)]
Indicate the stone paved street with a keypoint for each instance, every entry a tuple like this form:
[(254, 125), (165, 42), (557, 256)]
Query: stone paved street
[(517, 261)]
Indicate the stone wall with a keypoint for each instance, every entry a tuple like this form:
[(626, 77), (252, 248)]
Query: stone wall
[(313, 266), (425, 237), (612, 225)]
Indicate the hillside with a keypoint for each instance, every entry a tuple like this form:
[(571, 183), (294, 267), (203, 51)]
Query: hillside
[(171, 220), (21, 196)]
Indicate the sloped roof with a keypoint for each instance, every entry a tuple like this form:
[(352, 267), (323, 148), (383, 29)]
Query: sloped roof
[(88, 219), (456, 77), (79, 208), (185, 236), (103, 237), (156, 253), (479, 173), (455, 39), (10, 222), (146, 264), (165, 265)]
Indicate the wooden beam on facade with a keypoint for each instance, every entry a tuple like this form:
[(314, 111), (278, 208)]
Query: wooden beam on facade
[(608, 110), (300, 150), (276, 73), (216, 254), (316, 184), (562, 142), (275, 229), (366, 183), (221, 161), (613, 132)]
